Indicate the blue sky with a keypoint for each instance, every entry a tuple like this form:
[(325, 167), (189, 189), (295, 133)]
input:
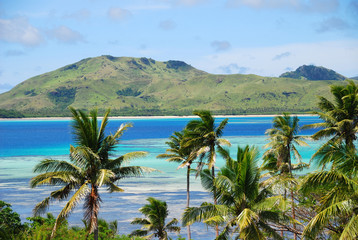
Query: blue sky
[(263, 37)]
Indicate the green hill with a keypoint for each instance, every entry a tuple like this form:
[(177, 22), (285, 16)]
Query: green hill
[(312, 72), (142, 86)]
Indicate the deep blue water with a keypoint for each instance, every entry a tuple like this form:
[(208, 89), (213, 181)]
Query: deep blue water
[(53, 137), (23, 143)]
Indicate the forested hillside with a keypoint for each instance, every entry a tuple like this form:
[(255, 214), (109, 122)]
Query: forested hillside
[(142, 86)]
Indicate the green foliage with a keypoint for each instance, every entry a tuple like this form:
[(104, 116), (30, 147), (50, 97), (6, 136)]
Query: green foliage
[(339, 117), (62, 96), (10, 114), (243, 208), (283, 139), (89, 169), (30, 92), (70, 67), (154, 225), (10, 222), (312, 72), (170, 88), (178, 65), (128, 92), (40, 228)]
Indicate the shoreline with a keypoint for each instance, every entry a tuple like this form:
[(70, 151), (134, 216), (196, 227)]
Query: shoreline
[(154, 117)]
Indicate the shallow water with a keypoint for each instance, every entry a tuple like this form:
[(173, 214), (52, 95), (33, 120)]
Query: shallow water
[(23, 143)]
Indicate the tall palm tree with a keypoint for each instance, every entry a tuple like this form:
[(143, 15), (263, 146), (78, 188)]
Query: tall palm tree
[(207, 136), (338, 187), (243, 207), (340, 116), (283, 139), (89, 169), (184, 154), (156, 212)]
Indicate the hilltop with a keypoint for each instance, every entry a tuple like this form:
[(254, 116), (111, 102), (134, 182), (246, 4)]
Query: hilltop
[(143, 86), (312, 72)]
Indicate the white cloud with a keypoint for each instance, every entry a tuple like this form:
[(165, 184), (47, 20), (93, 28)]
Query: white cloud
[(221, 45), (65, 35), (332, 24), (322, 6), (233, 68), (150, 7), (19, 30), (118, 14), (282, 55), (167, 25), (341, 56), (190, 2), (11, 53), (79, 15)]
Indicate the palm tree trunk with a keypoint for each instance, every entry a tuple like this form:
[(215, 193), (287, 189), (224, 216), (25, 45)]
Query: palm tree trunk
[(293, 214), (188, 197), (95, 232), (94, 198), (215, 201), (292, 199)]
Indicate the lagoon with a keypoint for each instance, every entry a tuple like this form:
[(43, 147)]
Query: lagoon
[(23, 143)]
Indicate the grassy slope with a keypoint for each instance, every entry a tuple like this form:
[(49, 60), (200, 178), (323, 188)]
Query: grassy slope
[(175, 90)]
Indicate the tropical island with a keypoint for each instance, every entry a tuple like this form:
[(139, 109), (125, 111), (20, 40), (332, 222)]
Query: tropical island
[(249, 201), (146, 87)]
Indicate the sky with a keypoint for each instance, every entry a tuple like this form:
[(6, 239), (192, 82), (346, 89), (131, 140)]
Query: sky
[(263, 37)]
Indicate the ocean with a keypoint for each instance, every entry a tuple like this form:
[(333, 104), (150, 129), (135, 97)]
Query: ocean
[(23, 143)]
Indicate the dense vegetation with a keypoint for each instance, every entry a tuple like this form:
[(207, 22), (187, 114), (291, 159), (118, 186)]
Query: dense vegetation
[(40, 228), (312, 72), (142, 86), (248, 201), (89, 169), (10, 114)]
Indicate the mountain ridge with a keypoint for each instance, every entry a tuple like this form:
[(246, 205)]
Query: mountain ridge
[(143, 86), (311, 72)]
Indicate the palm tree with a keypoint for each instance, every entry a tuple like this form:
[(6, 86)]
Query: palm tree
[(183, 155), (156, 212), (338, 188), (283, 137), (340, 116), (243, 207), (207, 136), (89, 169)]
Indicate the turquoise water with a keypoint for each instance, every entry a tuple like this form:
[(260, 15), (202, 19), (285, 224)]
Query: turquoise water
[(23, 143)]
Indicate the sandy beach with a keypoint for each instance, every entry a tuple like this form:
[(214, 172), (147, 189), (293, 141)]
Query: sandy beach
[(152, 117)]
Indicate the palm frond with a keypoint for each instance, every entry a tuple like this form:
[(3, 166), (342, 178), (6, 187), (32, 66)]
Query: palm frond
[(204, 212), (140, 221), (113, 188), (139, 233), (54, 178), (50, 165), (70, 205), (41, 207), (323, 217), (246, 218), (105, 176), (350, 231), (171, 226), (125, 159), (131, 171)]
